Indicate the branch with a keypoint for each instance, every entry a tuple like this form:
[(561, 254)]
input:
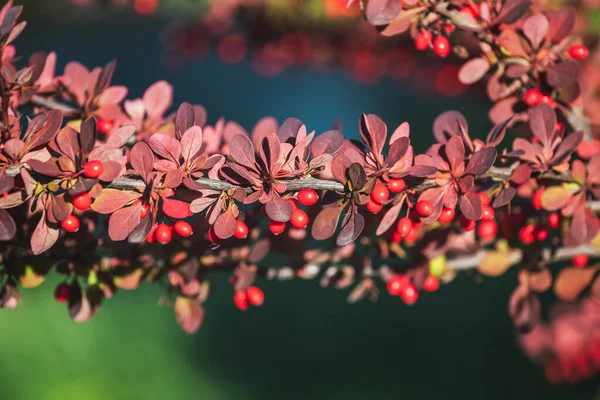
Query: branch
[(52, 104), (562, 254)]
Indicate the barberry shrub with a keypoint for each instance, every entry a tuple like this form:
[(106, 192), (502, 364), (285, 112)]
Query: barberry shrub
[(115, 192)]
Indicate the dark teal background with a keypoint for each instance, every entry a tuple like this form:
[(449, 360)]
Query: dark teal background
[(306, 342)]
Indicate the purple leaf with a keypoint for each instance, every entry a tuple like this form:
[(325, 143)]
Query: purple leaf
[(278, 209), (351, 229), (242, 151), (326, 143), (455, 151), (122, 222), (481, 161), (224, 226), (473, 70), (381, 12), (542, 121), (111, 200), (470, 206), (325, 223), (8, 228), (448, 124), (44, 236), (535, 29), (566, 147), (504, 197), (166, 146), (142, 160)]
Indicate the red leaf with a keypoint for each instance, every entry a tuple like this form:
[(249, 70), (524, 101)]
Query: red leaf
[(43, 237), (542, 121), (326, 143), (225, 224), (373, 132), (470, 206), (566, 147), (123, 222), (111, 200), (176, 208), (184, 118), (189, 314), (325, 223), (448, 124), (8, 228), (242, 151), (158, 98), (68, 142), (351, 229), (473, 70), (455, 151), (121, 136), (535, 29), (278, 209), (142, 160), (562, 23), (481, 161), (166, 146), (381, 12), (584, 226), (191, 143), (389, 218)]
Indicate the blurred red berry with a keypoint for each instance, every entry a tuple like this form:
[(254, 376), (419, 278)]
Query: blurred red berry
[(441, 46), (163, 233), (487, 229), (144, 210), (396, 237), (526, 234), (536, 200), (241, 300), (255, 296), (541, 233), (308, 197), (82, 201), (404, 227), (431, 284), (212, 236), (373, 207), (396, 284), (446, 216), (62, 292), (241, 229), (151, 236), (533, 97), (578, 52), (299, 219), (70, 224), (276, 227), (380, 193), (413, 235), (409, 295), (396, 185), (424, 208), (105, 125), (93, 169), (423, 40), (554, 220), (548, 100), (487, 213), (466, 224), (183, 229), (581, 260)]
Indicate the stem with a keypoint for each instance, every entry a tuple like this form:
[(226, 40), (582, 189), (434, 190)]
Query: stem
[(52, 104)]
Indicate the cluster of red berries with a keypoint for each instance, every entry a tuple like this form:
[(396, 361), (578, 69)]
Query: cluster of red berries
[(241, 232), (400, 285), (441, 45), (105, 125), (163, 233), (534, 97), (299, 218), (251, 296)]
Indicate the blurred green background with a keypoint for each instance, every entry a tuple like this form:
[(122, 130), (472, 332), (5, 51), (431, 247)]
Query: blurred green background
[(306, 341)]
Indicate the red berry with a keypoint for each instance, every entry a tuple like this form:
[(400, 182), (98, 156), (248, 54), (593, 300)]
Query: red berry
[(380, 193), (581, 260), (487, 229), (396, 284), (241, 300), (241, 230), (466, 224), (93, 169), (212, 236), (537, 199), (541, 233), (396, 237), (441, 46), (446, 216), (548, 100), (449, 28), (255, 296), (485, 199), (469, 11), (409, 295), (554, 220), (299, 219), (578, 51), (396, 185), (163, 233), (413, 235), (533, 97), (487, 213), (293, 203), (405, 225), (423, 40), (276, 227), (82, 201), (70, 224), (431, 284), (526, 234), (105, 125), (308, 197), (183, 229), (62, 292), (151, 236), (424, 208), (559, 126), (373, 207), (144, 210)]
